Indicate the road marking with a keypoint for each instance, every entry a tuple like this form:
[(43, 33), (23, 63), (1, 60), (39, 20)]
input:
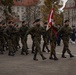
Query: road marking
[(61, 53), (56, 53)]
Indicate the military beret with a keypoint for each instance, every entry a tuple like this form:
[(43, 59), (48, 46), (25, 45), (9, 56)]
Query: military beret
[(73, 25), (3, 23), (0, 23), (37, 20), (23, 21), (9, 22), (66, 21), (45, 23)]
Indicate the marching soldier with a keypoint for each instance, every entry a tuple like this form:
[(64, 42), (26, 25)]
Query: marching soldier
[(4, 45), (32, 36), (23, 29), (17, 38), (1, 39), (45, 38), (53, 38), (65, 32), (10, 32), (37, 32)]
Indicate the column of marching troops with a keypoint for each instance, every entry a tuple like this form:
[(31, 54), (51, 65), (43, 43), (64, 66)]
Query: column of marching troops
[(11, 34)]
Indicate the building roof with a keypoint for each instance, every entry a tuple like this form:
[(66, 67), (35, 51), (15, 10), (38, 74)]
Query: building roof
[(26, 2)]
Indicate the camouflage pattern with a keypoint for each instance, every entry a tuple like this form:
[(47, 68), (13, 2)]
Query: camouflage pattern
[(45, 39), (23, 29), (37, 32), (53, 39), (66, 31), (1, 40), (10, 32)]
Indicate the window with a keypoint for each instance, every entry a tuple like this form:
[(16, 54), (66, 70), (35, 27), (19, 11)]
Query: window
[(19, 0), (22, 9), (17, 9), (12, 9), (23, 17)]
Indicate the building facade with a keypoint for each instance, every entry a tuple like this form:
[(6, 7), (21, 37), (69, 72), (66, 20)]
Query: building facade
[(70, 12), (27, 10)]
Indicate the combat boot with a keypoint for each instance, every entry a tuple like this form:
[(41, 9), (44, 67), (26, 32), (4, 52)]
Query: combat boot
[(71, 55), (27, 53), (1, 53), (63, 56), (43, 58), (22, 53), (11, 54), (55, 58), (35, 59), (51, 58), (43, 51), (32, 52)]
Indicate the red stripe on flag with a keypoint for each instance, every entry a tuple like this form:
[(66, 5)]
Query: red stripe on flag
[(50, 18)]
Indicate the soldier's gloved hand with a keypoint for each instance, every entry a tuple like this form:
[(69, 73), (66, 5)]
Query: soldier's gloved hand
[(49, 25)]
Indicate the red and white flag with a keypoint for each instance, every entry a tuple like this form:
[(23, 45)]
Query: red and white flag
[(50, 19)]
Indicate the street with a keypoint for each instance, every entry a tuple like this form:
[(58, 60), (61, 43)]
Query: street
[(24, 65)]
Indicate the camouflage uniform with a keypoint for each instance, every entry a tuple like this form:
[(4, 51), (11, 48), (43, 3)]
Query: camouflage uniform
[(17, 37), (45, 38), (33, 45), (5, 43), (23, 29), (65, 32), (37, 32), (10, 33), (1, 40), (53, 40)]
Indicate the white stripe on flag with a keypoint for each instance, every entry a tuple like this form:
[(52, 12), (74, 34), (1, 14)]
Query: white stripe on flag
[(50, 19)]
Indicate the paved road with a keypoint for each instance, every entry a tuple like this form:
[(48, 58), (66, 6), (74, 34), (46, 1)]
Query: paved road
[(24, 65)]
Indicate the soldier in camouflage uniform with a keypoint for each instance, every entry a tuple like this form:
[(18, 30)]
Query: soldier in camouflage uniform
[(10, 32), (32, 36), (5, 47), (17, 37), (1, 39), (37, 32), (53, 38), (65, 31), (23, 29), (45, 38)]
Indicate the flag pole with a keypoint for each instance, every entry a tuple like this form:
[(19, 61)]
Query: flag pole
[(51, 32), (51, 36)]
